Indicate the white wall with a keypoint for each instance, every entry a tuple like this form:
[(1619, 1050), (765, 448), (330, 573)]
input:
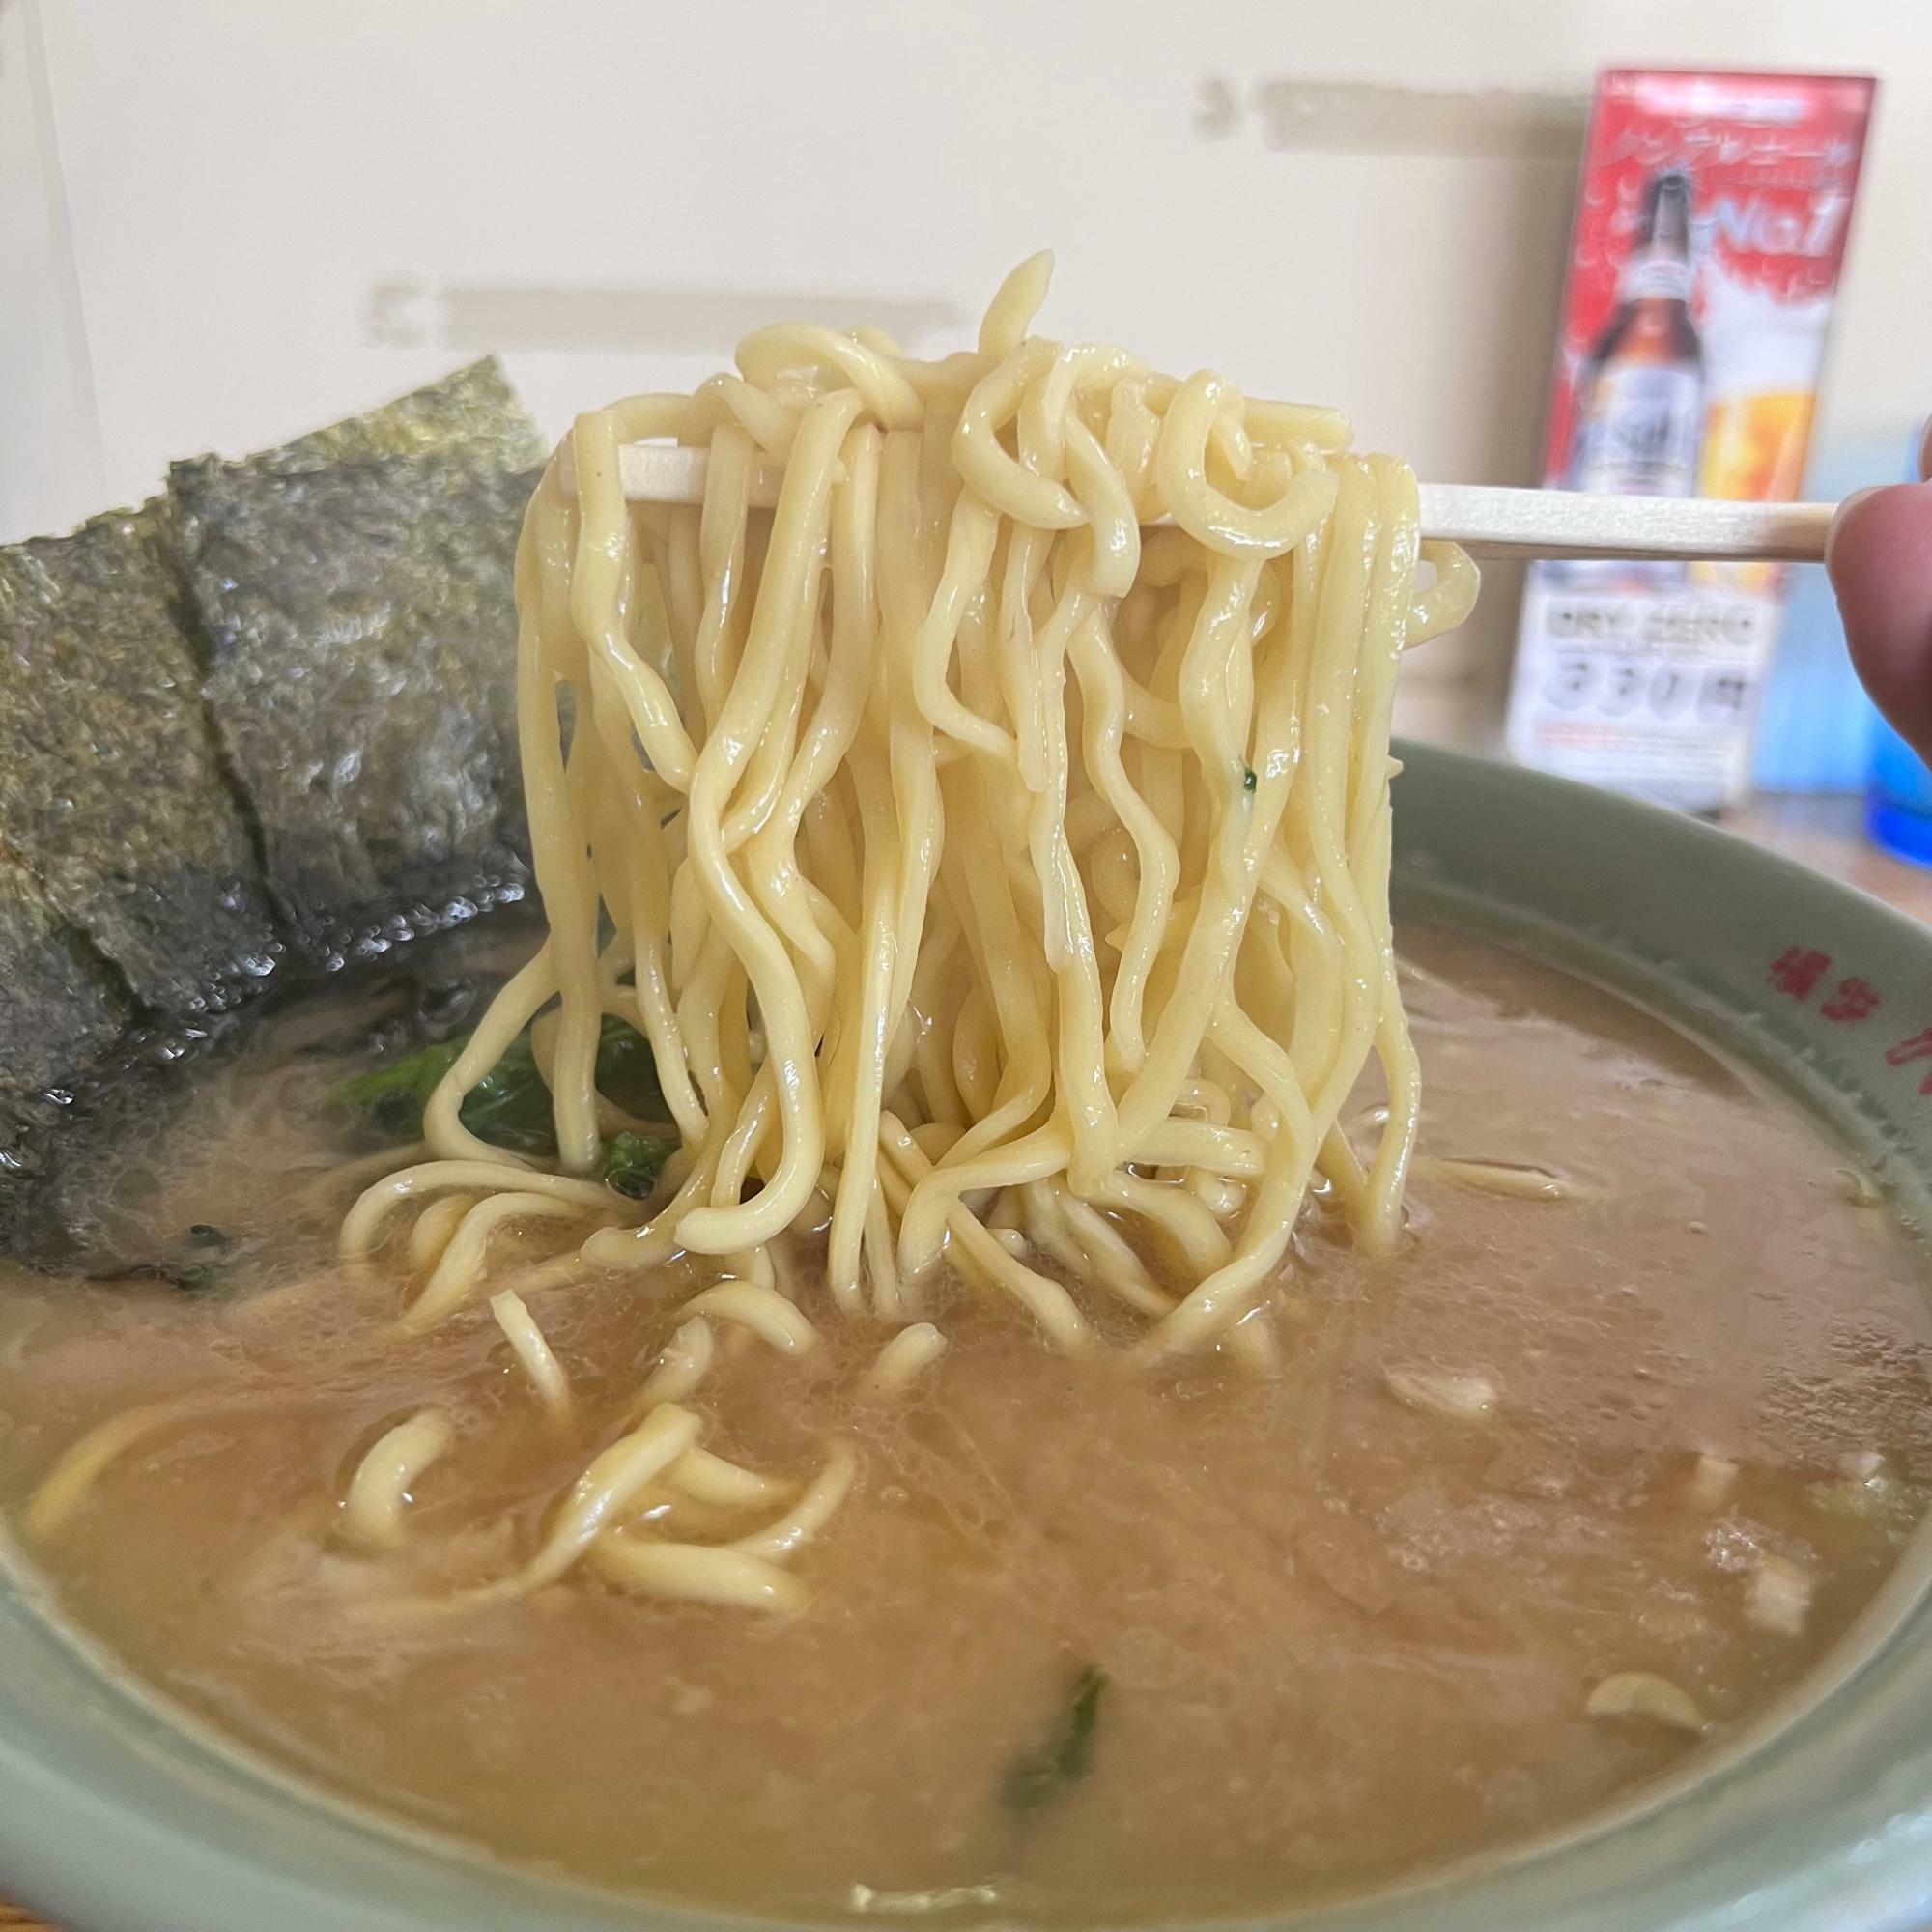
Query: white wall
[(277, 214), (51, 454)]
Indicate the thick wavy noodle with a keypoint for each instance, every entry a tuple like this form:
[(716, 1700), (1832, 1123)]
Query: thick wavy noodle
[(992, 842)]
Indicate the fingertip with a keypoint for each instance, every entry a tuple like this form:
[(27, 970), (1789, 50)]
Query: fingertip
[(1881, 541), (1846, 509), (1880, 562)]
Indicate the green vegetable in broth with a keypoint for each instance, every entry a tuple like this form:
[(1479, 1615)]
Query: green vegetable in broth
[(1066, 1756), (510, 1106), (395, 1094), (626, 1072), (632, 1162)]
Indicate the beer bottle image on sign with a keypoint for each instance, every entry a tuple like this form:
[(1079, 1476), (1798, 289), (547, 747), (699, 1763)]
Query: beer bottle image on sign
[(1640, 397)]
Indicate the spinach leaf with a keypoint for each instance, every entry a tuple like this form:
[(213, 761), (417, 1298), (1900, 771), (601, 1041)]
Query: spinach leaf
[(632, 1162), (1066, 1755), (626, 1073), (510, 1106), (395, 1093)]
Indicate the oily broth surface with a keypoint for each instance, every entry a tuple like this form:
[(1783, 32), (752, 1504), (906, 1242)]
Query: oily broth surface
[(1344, 1638)]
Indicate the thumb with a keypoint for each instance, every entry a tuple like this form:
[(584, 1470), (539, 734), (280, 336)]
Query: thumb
[(1880, 562)]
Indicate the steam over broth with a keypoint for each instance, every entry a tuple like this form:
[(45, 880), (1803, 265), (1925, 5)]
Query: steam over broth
[(1087, 1641)]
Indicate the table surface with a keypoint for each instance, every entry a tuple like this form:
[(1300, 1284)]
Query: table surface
[(1829, 833), (1821, 831)]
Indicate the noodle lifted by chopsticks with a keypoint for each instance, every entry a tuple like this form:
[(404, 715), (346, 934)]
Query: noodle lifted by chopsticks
[(1008, 876)]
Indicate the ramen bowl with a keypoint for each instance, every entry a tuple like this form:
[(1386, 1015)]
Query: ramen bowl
[(115, 1816)]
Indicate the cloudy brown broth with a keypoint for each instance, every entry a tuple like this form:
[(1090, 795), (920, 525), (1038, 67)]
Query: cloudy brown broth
[(1087, 1641)]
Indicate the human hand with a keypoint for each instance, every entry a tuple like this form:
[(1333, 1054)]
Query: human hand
[(1880, 560)]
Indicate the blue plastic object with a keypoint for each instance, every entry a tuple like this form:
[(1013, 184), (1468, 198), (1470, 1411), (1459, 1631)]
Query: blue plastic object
[(1898, 797), (1816, 722), (1898, 788)]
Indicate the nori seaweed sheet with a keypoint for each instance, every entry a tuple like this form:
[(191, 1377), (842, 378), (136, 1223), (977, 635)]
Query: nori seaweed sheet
[(360, 632), (60, 1009), (110, 789), (472, 412), (269, 714)]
